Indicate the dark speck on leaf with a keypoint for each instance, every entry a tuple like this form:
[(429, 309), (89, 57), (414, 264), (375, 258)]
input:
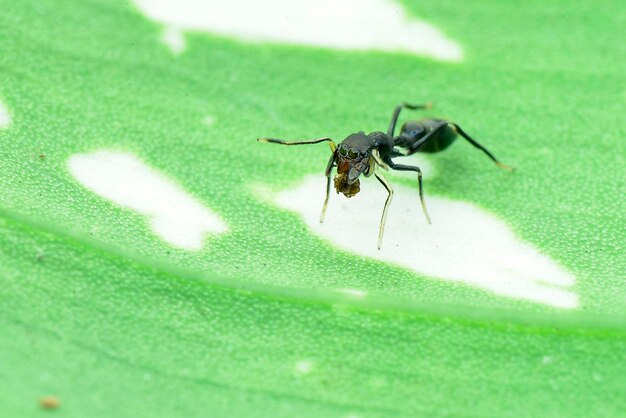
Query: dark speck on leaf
[(49, 402)]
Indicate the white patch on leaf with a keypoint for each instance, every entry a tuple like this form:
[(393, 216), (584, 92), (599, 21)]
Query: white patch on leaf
[(304, 366), (174, 38), (208, 120), (173, 214), (349, 24), (353, 292), (5, 116), (464, 243)]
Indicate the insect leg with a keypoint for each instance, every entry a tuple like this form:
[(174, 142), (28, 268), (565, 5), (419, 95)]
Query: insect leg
[(396, 152), (383, 219), (305, 142), (415, 146), (396, 113), (480, 147), (379, 161), (329, 168), (402, 167)]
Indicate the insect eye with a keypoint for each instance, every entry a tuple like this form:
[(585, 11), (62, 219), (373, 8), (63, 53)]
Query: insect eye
[(352, 153), (343, 151)]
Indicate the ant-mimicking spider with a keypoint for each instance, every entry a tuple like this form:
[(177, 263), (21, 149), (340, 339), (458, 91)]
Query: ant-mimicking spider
[(361, 154)]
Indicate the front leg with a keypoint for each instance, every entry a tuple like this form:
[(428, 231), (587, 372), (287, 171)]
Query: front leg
[(383, 219), (327, 172), (402, 167), (378, 161), (329, 166), (331, 143)]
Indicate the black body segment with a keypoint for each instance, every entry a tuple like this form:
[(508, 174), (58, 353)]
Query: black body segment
[(412, 131)]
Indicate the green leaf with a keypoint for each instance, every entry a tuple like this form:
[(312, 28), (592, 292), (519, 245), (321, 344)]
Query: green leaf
[(99, 308)]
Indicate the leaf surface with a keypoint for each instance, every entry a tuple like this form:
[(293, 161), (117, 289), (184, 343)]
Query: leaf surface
[(102, 312)]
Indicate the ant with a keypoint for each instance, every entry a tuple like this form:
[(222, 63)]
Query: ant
[(361, 154)]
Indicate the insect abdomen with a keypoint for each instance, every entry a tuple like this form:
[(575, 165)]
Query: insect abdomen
[(441, 140)]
